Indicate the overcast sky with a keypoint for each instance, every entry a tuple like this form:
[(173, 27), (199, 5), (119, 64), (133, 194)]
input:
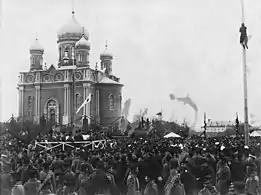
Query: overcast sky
[(160, 47)]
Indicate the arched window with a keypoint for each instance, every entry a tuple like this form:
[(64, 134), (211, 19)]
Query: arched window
[(72, 53), (33, 60), (30, 104), (67, 50), (79, 57), (41, 61), (77, 100), (120, 102), (111, 102), (66, 53), (51, 106)]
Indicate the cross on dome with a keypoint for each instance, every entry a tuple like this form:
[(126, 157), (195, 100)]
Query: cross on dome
[(83, 42), (72, 30), (36, 46), (73, 11), (106, 53), (83, 31)]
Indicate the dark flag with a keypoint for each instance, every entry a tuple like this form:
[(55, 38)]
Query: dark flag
[(243, 36), (159, 114)]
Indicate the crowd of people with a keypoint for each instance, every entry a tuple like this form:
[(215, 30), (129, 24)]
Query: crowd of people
[(132, 166)]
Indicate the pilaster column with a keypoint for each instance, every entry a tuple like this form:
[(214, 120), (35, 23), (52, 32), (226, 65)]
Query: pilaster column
[(37, 104), (66, 113), (69, 104), (97, 105), (21, 101)]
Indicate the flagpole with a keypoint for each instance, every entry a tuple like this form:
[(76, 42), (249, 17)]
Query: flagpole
[(246, 126), (73, 96)]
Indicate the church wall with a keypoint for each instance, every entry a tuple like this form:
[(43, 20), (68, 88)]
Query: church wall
[(79, 101), (106, 115), (93, 105), (29, 102), (57, 94)]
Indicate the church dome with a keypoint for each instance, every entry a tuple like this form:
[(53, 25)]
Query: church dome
[(82, 43), (72, 30), (106, 53), (36, 46)]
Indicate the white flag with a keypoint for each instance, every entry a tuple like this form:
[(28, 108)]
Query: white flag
[(86, 101)]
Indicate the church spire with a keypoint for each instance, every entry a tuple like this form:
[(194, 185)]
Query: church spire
[(106, 44), (83, 31), (73, 10)]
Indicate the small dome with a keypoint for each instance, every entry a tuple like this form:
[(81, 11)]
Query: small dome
[(106, 53), (72, 30), (36, 46), (82, 43)]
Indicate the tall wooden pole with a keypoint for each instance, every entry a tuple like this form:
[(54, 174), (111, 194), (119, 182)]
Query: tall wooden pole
[(73, 94), (246, 126)]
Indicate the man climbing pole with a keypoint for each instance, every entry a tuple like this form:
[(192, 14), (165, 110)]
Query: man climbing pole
[(243, 36)]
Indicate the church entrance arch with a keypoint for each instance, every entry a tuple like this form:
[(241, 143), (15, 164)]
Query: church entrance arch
[(51, 111)]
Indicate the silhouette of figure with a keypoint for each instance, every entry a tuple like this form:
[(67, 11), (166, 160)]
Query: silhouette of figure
[(243, 36), (142, 122), (12, 119), (148, 123)]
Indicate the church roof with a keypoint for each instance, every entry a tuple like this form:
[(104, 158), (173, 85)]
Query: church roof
[(82, 42), (106, 53), (36, 46), (67, 68), (72, 29), (106, 80)]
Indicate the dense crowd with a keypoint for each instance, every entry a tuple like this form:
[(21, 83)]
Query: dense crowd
[(132, 166)]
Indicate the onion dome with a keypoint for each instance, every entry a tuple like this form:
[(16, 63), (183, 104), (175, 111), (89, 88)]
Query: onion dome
[(83, 43), (36, 46), (106, 53), (72, 30)]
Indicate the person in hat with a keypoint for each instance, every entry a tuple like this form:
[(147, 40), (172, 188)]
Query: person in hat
[(187, 179), (205, 169), (223, 177), (173, 184), (69, 178), (24, 169), (133, 184), (31, 187), (5, 179), (83, 178), (208, 187), (18, 188), (47, 180), (151, 187), (252, 182), (238, 172)]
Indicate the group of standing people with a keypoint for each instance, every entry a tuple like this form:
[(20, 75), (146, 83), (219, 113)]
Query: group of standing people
[(136, 166)]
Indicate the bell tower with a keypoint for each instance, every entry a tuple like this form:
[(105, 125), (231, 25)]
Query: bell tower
[(82, 51), (36, 56), (106, 61)]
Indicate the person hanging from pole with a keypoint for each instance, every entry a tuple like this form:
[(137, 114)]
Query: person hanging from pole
[(243, 36), (205, 126), (237, 125)]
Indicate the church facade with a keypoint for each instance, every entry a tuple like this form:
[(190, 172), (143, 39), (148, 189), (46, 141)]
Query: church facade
[(56, 92)]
